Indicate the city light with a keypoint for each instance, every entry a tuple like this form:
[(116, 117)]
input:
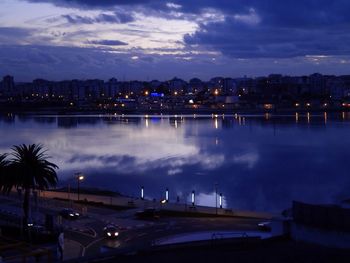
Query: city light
[(167, 195), (142, 193), (193, 198), (268, 106)]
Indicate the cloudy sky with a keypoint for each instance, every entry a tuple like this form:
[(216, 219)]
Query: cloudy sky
[(157, 39)]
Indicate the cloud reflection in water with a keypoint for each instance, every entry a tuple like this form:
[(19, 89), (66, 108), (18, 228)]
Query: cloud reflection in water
[(261, 164)]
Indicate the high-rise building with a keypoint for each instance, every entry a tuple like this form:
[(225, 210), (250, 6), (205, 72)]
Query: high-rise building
[(8, 85)]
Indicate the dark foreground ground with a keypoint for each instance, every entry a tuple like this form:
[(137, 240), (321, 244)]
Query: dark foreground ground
[(279, 251)]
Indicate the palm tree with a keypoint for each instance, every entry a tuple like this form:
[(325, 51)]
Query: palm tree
[(4, 167), (29, 170)]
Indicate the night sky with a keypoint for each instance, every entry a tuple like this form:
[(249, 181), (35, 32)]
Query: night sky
[(153, 39)]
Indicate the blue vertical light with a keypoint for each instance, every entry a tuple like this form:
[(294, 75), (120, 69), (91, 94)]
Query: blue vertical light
[(220, 200)]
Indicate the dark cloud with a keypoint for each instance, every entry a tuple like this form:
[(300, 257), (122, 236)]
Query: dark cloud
[(91, 3), (14, 34), (277, 29), (108, 42), (254, 37), (242, 41), (27, 62), (250, 28), (116, 18), (78, 19), (120, 18)]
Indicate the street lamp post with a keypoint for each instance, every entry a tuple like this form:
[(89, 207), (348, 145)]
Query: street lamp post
[(79, 177), (69, 195)]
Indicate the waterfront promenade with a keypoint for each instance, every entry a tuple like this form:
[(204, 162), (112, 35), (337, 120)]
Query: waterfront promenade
[(177, 208)]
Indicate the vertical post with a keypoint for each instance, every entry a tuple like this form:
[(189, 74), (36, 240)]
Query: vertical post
[(220, 200), (68, 193), (142, 193), (193, 198), (79, 177), (216, 198), (78, 189)]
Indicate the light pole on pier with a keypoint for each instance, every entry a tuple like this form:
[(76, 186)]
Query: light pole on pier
[(79, 177)]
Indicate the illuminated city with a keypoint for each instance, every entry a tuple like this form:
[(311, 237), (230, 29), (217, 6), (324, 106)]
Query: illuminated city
[(174, 131)]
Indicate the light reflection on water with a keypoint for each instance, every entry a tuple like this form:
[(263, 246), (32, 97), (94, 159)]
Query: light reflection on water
[(260, 162)]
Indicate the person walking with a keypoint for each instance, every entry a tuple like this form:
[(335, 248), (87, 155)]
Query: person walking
[(60, 245)]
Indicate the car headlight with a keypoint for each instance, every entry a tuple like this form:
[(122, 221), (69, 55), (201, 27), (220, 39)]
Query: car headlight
[(109, 234), (116, 234), (77, 214), (71, 214)]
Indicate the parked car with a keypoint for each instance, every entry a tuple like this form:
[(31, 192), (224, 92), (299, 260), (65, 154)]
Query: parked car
[(40, 235), (68, 213), (265, 226), (111, 231)]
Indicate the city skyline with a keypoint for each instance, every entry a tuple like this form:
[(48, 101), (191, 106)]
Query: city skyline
[(148, 40)]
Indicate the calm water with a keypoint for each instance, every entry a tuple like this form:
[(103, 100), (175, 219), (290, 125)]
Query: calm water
[(260, 162)]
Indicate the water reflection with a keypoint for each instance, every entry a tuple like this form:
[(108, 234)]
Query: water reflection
[(261, 162)]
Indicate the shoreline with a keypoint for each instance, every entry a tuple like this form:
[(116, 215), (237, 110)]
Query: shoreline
[(68, 112)]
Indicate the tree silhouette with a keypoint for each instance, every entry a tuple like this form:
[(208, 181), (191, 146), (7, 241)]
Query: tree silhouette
[(28, 169)]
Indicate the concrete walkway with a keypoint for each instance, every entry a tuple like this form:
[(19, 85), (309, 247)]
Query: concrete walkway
[(131, 202)]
